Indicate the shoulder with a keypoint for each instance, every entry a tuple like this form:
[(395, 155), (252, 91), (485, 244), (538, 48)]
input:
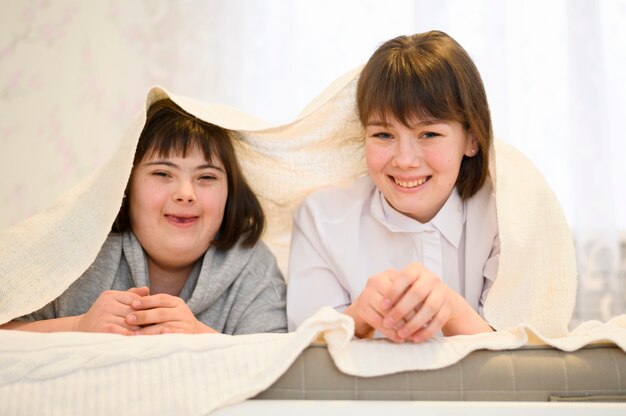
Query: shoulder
[(485, 196), (481, 210), (338, 202), (256, 271), (109, 253), (260, 253), (102, 272), (257, 259)]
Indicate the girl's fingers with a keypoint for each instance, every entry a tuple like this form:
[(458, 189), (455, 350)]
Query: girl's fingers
[(112, 328), (401, 282), (151, 316), (156, 329), (411, 302), (155, 301), (431, 328), (140, 291), (399, 324), (120, 322), (113, 296), (431, 306)]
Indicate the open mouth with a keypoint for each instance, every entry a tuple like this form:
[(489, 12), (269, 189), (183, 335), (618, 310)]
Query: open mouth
[(181, 219), (411, 184)]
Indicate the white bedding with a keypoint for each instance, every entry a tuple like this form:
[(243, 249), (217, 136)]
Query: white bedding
[(104, 374)]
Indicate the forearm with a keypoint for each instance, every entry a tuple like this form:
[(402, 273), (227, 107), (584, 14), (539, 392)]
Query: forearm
[(69, 323)]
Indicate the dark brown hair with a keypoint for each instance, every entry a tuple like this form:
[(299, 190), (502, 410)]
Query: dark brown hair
[(429, 75), (171, 130)]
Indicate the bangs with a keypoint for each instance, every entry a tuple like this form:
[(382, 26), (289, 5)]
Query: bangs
[(177, 136), (406, 86), (166, 144)]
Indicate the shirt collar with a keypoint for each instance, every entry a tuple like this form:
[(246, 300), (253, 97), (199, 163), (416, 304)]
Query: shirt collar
[(449, 220)]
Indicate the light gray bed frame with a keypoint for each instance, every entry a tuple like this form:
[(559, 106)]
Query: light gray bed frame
[(594, 373)]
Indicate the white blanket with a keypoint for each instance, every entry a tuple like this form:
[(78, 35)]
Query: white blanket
[(105, 374), (177, 374)]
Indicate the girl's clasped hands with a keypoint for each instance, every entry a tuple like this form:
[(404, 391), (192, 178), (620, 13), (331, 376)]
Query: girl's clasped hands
[(136, 312), (412, 304)]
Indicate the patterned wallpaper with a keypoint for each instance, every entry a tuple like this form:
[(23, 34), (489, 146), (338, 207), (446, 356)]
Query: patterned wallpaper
[(72, 73), (71, 76)]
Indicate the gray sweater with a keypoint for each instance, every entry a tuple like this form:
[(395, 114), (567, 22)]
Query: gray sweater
[(238, 291)]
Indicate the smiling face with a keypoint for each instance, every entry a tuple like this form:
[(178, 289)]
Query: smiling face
[(176, 206), (416, 167)]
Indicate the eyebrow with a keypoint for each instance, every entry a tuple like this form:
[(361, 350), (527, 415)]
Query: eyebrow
[(380, 123), (175, 166)]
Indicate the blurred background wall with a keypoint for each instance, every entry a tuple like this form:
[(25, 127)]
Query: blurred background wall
[(73, 73)]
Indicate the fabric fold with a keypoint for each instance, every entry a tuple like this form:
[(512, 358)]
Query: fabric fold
[(196, 374)]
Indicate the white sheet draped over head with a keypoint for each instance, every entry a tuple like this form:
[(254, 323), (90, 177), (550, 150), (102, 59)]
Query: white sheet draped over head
[(536, 282)]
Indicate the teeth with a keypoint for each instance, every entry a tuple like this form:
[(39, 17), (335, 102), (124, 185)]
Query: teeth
[(411, 184)]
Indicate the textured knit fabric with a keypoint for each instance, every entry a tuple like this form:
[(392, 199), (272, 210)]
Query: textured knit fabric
[(238, 291), (344, 235)]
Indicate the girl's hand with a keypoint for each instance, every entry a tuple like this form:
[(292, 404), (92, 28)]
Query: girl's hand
[(366, 309), (108, 312), (418, 305), (163, 313)]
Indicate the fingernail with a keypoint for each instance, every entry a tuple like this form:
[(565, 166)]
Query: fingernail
[(131, 319), (135, 304), (388, 322), (403, 333), (385, 304)]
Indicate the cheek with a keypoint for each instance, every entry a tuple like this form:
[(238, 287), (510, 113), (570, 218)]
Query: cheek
[(214, 201), (447, 166), (222, 201), (441, 161), (144, 200), (375, 158)]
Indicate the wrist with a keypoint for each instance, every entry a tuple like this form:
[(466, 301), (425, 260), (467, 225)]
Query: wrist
[(76, 323), (361, 328), (464, 320)]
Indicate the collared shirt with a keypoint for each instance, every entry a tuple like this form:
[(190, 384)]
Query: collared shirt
[(433, 241), (342, 236)]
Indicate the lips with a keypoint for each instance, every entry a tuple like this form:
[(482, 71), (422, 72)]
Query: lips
[(412, 183), (181, 219)]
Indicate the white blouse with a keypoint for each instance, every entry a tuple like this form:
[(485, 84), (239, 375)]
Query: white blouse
[(343, 235)]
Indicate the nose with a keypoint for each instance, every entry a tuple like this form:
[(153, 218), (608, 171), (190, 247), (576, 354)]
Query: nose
[(184, 193), (407, 153)]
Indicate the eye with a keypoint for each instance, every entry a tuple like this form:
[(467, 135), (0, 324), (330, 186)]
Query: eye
[(208, 177), (382, 135), (429, 135), (161, 174)]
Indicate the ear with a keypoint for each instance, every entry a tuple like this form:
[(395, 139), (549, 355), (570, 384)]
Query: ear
[(471, 146)]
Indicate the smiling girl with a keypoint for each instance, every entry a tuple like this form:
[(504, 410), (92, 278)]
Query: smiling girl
[(184, 253), (412, 249)]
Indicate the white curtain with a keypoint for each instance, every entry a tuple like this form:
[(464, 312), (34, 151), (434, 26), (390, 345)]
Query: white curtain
[(73, 72)]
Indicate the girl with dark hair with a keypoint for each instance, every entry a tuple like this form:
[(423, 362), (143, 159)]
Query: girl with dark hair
[(184, 253)]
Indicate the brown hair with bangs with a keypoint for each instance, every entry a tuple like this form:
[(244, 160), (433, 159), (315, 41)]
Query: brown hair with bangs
[(169, 130), (429, 75)]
